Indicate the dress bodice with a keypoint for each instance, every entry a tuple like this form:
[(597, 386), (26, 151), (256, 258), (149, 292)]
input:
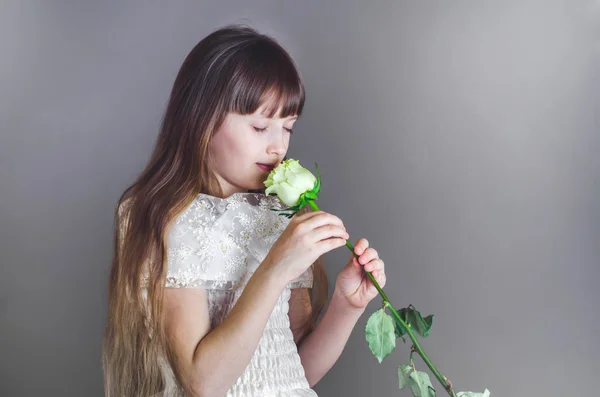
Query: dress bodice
[(217, 244)]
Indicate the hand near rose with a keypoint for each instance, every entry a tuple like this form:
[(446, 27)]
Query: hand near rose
[(360, 281), (353, 284)]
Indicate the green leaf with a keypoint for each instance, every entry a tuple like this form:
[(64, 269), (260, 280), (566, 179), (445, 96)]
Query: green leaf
[(380, 334), (418, 381), (486, 393), (415, 320), (403, 375), (398, 328), (422, 325), (420, 385)]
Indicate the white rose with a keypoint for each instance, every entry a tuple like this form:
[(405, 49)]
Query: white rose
[(289, 180)]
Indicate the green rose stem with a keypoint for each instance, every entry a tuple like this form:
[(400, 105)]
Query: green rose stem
[(417, 347)]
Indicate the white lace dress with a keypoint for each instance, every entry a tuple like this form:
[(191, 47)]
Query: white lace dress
[(217, 244)]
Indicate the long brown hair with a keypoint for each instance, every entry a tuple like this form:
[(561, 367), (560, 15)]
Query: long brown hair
[(234, 69)]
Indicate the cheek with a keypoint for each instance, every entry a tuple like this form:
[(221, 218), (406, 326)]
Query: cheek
[(286, 143), (228, 145), (218, 147)]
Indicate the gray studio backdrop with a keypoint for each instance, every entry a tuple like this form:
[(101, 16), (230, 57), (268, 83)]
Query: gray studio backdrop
[(459, 137)]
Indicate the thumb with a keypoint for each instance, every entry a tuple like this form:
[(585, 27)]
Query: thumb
[(355, 264)]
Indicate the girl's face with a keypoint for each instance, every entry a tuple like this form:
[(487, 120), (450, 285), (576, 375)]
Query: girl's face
[(245, 141)]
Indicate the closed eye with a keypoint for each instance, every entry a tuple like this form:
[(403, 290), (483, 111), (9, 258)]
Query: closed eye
[(257, 129)]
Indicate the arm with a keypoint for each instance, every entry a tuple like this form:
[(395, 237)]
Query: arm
[(210, 362), (324, 345)]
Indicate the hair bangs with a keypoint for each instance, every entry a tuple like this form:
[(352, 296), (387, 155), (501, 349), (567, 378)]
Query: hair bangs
[(268, 78)]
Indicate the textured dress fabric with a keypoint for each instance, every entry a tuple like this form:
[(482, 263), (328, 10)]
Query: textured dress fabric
[(217, 244)]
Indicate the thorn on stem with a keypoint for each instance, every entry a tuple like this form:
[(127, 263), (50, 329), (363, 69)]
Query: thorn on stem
[(449, 387)]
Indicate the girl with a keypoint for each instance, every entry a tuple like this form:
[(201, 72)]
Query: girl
[(211, 293)]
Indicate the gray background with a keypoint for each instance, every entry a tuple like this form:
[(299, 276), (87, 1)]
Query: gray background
[(459, 137)]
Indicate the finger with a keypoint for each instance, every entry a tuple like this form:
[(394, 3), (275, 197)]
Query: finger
[(322, 218), (360, 246), (375, 264), (311, 215), (368, 255), (379, 276), (355, 266), (329, 244), (328, 231), (307, 215)]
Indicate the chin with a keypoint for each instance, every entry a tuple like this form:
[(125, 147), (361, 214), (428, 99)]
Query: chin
[(259, 186), (252, 188)]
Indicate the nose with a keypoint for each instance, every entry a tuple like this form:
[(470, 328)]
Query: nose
[(277, 145)]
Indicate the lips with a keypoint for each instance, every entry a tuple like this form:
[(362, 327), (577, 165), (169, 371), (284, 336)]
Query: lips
[(266, 167)]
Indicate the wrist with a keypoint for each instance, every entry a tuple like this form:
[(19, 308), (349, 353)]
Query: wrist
[(271, 274), (339, 301)]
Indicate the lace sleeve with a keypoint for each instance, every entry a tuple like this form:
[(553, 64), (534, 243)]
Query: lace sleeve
[(195, 258)]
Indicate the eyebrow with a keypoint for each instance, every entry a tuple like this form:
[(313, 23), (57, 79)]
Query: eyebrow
[(286, 118)]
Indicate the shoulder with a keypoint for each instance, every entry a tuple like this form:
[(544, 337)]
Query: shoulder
[(243, 217), (206, 210)]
